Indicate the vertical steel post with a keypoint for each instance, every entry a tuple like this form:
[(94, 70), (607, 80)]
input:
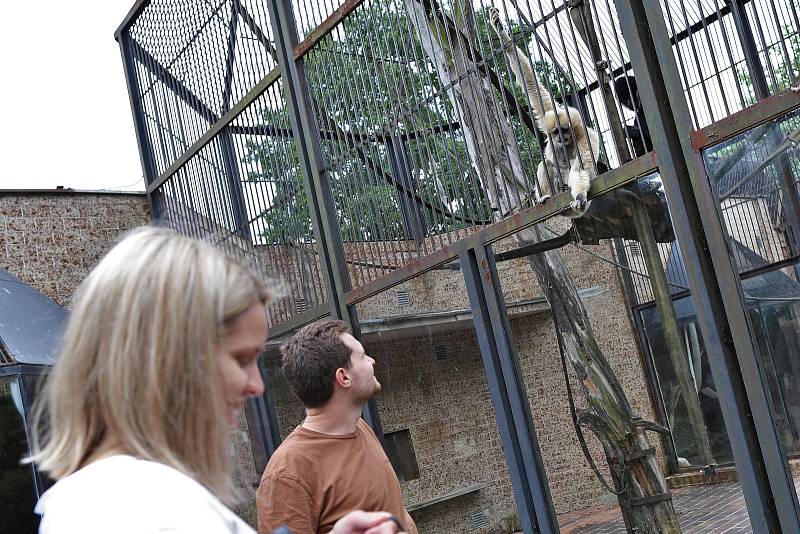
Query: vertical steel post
[(315, 176), (508, 392), (263, 425), (766, 480), (413, 218), (146, 155), (229, 160)]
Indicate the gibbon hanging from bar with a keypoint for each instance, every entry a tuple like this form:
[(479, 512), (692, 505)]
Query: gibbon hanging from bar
[(571, 148)]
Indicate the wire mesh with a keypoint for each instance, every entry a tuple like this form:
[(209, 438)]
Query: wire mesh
[(407, 95), (201, 200), (195, 60), (732, 53)]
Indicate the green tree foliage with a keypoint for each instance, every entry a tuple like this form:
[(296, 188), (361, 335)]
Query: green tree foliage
[(784, 70), (370, 80)]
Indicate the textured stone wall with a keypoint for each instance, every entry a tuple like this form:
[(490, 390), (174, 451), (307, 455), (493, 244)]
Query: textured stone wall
[(51, 240)]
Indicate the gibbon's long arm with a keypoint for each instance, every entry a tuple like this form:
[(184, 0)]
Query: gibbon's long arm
[(540, 98), (587, 141)]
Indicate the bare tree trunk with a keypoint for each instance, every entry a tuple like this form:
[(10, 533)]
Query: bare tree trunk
[(644, 499)]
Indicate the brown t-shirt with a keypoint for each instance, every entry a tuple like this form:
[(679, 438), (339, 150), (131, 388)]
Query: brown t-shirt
[(314, 479)]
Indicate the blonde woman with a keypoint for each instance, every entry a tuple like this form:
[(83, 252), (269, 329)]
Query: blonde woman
[(158, 358)]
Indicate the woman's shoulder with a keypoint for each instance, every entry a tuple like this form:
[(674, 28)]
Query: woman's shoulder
[(133, 495), (115, 476)]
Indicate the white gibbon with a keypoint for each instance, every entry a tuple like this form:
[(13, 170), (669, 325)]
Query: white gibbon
[(571, 148)]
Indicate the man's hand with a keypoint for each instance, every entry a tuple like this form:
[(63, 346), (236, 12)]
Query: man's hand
[(358, 522)]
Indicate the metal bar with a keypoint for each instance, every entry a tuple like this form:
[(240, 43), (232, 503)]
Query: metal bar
[(143, 142), (413, 221), (168, 79), (130, 18), (766, 482), (763, 111), (233, 26), (677, 38), (315, 177), (298, 321), (601, 185), (262, 424), (251, 23), (229, 159), (234, 182), (507, 391), (325, 27)]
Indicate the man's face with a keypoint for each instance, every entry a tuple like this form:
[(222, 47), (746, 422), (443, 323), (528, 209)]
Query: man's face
[(361, 371)]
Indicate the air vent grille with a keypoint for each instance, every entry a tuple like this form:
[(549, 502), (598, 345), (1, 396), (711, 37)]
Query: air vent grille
[(478, 520), (440, 352), (636, 250), (403, 298), (300, 305)]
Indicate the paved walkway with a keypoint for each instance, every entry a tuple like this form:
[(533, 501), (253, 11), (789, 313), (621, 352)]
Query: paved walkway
[(713, 508)]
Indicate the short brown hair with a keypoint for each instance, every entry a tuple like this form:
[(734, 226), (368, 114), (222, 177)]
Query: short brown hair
[(310, 360)]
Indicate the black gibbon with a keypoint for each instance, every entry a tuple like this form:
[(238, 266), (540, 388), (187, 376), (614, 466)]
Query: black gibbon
[(638, 133)]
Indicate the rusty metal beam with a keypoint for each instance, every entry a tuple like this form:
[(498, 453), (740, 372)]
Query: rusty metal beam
[(760, 112), (325, 27), (298, 321)]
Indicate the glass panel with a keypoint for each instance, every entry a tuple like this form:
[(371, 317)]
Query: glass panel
[(754, 176), (33, 384), (675, 410), (773, 304), (289, 411), (17, 489), (435, 394)]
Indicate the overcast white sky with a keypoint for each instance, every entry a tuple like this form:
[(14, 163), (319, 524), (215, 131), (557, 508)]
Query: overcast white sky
[(65, 118)]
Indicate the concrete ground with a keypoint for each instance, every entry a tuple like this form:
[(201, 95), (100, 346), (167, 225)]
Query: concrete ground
[(717, 508)]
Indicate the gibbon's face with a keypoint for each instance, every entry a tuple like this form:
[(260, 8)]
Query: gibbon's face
[(559, 126), (562, 135), (238, 360), (361, 372)]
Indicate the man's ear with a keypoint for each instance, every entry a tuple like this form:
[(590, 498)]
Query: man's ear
[(341, 378)]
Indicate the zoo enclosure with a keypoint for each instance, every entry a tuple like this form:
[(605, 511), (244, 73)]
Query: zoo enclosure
[(334, 158)]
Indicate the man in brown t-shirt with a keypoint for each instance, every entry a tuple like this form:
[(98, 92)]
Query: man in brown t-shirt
[(332, 463)]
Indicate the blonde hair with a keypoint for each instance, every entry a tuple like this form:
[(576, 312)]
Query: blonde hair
[(138, 364)]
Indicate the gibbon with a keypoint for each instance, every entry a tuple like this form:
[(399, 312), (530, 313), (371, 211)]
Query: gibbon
[(571, 148), (638, 133)]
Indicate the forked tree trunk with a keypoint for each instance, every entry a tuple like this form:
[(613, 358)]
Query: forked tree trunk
[(645, 501)]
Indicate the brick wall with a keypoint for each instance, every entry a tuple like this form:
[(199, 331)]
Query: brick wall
[(51, 240)]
